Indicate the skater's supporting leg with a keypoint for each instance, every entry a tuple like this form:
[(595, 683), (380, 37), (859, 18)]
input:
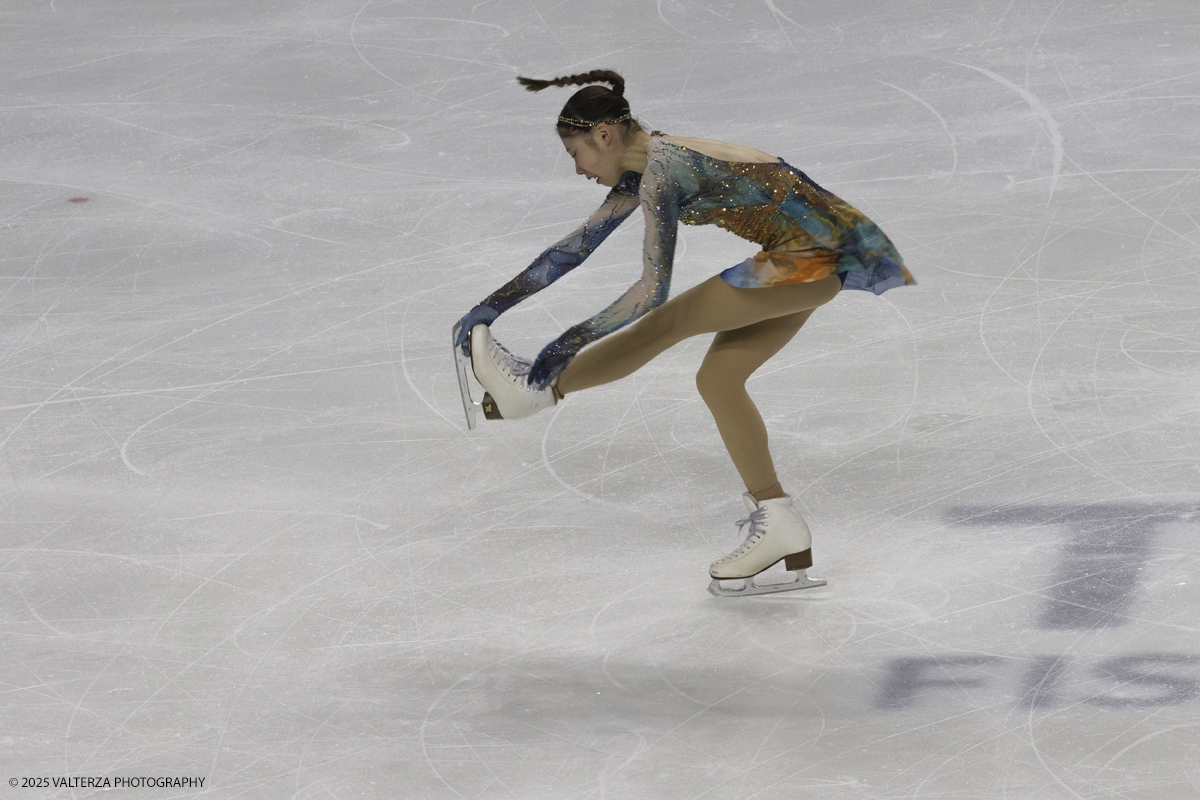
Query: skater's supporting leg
[(732, 358), (707, 308)]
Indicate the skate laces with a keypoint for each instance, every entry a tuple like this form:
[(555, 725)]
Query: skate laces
[(757, 522), (512, 365)]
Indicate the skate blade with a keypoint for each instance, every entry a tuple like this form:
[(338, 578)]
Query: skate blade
[(462, 364), (749, 587)]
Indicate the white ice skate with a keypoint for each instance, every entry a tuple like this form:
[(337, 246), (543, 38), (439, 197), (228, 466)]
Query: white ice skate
[(777, 533), (502, 375)]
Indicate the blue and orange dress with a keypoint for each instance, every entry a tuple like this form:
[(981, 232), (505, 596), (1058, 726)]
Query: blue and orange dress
[(772, 204)]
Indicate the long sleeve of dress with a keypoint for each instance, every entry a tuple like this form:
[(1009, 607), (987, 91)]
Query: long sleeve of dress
[(659, 196), (569, 252)]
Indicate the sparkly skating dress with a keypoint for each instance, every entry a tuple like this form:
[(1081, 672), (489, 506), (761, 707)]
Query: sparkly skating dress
[(774, 205)]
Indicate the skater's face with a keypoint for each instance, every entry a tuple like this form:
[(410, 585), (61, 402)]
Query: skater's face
[(597, 154)]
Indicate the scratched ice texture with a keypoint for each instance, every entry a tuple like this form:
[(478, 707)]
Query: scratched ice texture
[(247, 537)]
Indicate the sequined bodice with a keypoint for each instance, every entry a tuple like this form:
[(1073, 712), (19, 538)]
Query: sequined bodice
[(753, 221), (754, 201), (773, 204)]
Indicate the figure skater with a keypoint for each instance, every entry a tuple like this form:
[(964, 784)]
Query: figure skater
[(814, 244)]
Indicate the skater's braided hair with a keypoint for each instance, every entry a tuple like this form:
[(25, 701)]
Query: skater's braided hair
[(591, 105)]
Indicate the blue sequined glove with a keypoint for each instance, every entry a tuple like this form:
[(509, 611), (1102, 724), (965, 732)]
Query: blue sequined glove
[(479, 315), (555, 357)]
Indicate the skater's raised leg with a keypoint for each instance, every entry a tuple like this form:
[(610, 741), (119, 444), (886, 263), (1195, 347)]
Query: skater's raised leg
[(706, 308)]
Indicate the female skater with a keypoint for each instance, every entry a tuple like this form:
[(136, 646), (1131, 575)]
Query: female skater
[(813, 245)]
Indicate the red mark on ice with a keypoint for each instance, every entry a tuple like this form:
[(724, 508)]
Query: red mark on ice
[(78, 200)]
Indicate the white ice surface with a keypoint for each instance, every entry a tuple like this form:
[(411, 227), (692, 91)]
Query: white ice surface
[(246, 536)]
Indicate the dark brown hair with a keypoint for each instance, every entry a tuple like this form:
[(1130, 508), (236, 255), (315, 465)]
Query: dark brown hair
[(591, 105)]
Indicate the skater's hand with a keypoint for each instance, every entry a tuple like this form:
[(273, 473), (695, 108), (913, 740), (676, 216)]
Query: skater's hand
[(479, 315), (553, 359)]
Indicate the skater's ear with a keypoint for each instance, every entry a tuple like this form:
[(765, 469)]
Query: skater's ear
[(603, 137)]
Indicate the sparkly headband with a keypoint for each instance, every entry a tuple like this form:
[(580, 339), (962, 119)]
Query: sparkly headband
[(583, 123)]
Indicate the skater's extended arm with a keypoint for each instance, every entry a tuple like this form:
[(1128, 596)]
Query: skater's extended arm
[(558, 259), (660, 197), (569, 252)]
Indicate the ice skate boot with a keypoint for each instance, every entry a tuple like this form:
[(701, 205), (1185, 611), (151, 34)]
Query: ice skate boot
[(777, 533), (502, 375)]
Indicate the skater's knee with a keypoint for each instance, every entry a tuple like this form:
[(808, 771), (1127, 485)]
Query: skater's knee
[(661, 324), (715, 382)]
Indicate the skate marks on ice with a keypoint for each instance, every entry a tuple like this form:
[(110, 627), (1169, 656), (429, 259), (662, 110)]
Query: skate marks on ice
[(1106, 554)]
